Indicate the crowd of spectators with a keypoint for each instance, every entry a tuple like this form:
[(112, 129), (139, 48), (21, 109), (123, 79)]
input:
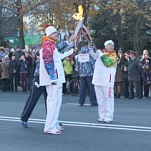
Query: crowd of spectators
[(16, 68), (133, 74)]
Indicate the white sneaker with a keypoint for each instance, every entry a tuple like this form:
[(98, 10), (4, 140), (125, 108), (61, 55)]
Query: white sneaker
[(53, 131), (60, 128), (107, 121), (100, 120)]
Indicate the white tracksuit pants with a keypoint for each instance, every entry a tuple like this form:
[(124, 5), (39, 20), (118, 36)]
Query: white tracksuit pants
[(54, 100), (105, 98)]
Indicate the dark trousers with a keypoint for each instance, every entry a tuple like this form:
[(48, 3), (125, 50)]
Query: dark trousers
[(35, 93), (68, 77), (24, 80), (6, 84), (126, 87), (13, 81), (30, 77), (146, 90), (18, 77), (86, 84), (141, 85), (137, 86)]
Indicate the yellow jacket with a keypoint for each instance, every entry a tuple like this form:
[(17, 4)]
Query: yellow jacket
[(68, 66)]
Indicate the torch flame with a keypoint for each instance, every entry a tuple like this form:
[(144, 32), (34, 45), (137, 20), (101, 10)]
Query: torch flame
[(78, 16)]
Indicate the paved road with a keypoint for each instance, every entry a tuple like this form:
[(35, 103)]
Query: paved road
[(130, 131)]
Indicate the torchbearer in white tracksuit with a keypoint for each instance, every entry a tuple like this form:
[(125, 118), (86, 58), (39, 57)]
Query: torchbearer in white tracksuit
[(103, 80), (52, 76)]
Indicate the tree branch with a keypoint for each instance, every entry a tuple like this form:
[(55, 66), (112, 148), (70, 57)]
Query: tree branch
[(31, 8)]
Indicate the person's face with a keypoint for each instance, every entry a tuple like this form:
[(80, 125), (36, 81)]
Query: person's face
[(120, 53), (13, 57), (26, 54), (30, 50), (54, 36), (145, 53), (22, 57), (1, 51), (127, 55), (132, 55), (3, 60), (110, 47), (65, 37), (18, 49), (38, 56)]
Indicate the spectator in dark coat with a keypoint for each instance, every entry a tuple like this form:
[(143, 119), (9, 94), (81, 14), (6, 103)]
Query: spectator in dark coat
[(30, 63), (18, 52), (146, 76), (144, 59), (118, 76), (23, 68), (124, 67), (13, 73), (134, 75)]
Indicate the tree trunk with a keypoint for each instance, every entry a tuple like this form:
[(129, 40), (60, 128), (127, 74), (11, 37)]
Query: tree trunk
[(120, 33), (21, 33), (20, 24), (136, 35), (0, 26)]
